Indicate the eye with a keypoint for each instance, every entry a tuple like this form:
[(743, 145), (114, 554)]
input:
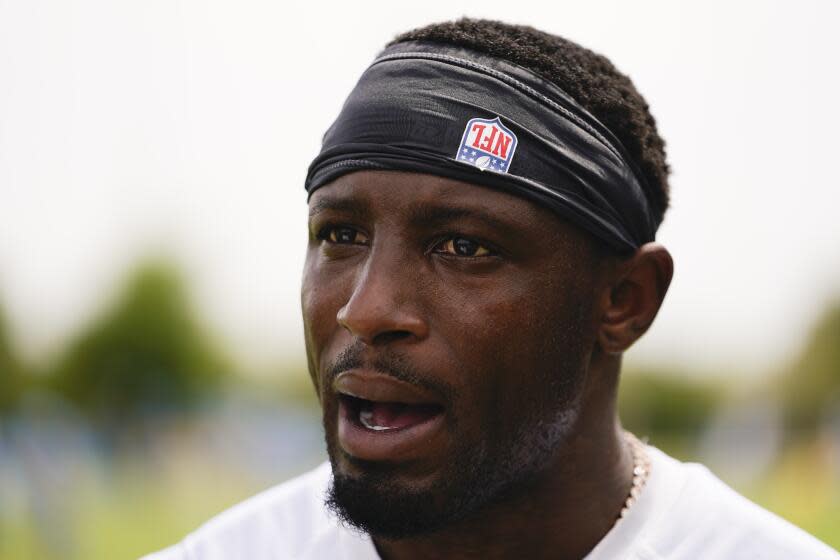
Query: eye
[(342, 235), (462, 247)]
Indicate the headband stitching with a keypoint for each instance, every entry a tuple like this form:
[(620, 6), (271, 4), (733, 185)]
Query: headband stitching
[(510, 81)]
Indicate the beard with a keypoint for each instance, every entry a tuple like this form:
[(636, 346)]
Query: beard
[(475, 479), (479, 473)]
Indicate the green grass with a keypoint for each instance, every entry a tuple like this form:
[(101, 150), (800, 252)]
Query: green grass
[(133, 516), (804, 489)]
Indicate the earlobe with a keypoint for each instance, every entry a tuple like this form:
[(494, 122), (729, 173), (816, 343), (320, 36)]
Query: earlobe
[(633, 300)]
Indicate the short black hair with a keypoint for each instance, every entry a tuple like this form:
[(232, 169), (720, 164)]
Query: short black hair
[(589, 78)]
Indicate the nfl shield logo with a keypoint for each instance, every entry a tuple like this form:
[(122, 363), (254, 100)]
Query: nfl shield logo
[(487, 144)]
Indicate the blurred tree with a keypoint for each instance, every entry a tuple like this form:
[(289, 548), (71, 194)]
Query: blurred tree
[(11, 376), (667, 405), (148, 354), (810, 388)]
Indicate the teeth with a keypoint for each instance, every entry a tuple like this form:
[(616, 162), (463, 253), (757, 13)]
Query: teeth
[(366, 418)]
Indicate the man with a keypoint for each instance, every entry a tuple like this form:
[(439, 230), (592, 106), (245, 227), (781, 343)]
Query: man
[(482, 218)]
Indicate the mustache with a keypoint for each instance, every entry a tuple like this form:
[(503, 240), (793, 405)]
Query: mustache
[(387, 363)]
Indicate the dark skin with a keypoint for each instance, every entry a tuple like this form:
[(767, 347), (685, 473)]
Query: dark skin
[(487, 299)]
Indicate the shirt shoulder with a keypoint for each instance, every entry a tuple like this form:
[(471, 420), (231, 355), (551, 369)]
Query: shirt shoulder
[(286, 521), (705, 518)]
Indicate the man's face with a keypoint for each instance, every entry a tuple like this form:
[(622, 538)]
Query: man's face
[(448, 330)]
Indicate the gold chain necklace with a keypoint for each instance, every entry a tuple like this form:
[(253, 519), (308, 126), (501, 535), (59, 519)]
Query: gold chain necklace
[(641, 471)]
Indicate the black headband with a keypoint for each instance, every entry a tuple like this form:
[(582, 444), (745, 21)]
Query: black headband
[(456, 113)]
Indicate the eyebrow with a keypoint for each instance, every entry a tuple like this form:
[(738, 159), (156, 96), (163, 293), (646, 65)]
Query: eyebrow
[(438, 215), (352, 206), (421, 215)]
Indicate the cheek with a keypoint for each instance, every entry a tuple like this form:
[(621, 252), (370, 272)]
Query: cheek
[(498, 319), (487, 329), (320, 299), (524, 346), (324, 289)]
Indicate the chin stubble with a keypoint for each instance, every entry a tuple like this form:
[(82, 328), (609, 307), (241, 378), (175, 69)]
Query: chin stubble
[(476, 478)]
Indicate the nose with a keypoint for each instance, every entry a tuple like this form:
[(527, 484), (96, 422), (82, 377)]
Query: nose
[(383, 306)]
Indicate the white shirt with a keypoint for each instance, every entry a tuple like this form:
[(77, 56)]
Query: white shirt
[(683, 513)]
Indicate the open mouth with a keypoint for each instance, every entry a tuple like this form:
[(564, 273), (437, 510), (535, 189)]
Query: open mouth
[(387, 416), (382, 418)]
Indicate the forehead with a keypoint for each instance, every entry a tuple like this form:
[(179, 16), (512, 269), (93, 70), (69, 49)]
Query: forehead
[(394, 194)]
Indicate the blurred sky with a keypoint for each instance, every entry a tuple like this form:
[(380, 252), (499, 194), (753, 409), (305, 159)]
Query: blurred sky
[(187, 126)]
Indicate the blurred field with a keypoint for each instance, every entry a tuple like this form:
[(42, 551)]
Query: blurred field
[(142, 428), (141, 506), (79, 500), (132, 516)]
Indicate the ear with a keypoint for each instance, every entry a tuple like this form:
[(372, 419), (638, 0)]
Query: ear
[(632, 300)]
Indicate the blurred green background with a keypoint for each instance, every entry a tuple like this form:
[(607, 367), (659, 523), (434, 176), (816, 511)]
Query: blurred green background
[(142, 427), (140, 396)]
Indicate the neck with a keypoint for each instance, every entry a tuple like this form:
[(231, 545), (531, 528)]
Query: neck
[(562, 513)]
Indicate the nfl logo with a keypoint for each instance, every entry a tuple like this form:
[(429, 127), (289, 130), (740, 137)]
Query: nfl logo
[(487, 144)]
